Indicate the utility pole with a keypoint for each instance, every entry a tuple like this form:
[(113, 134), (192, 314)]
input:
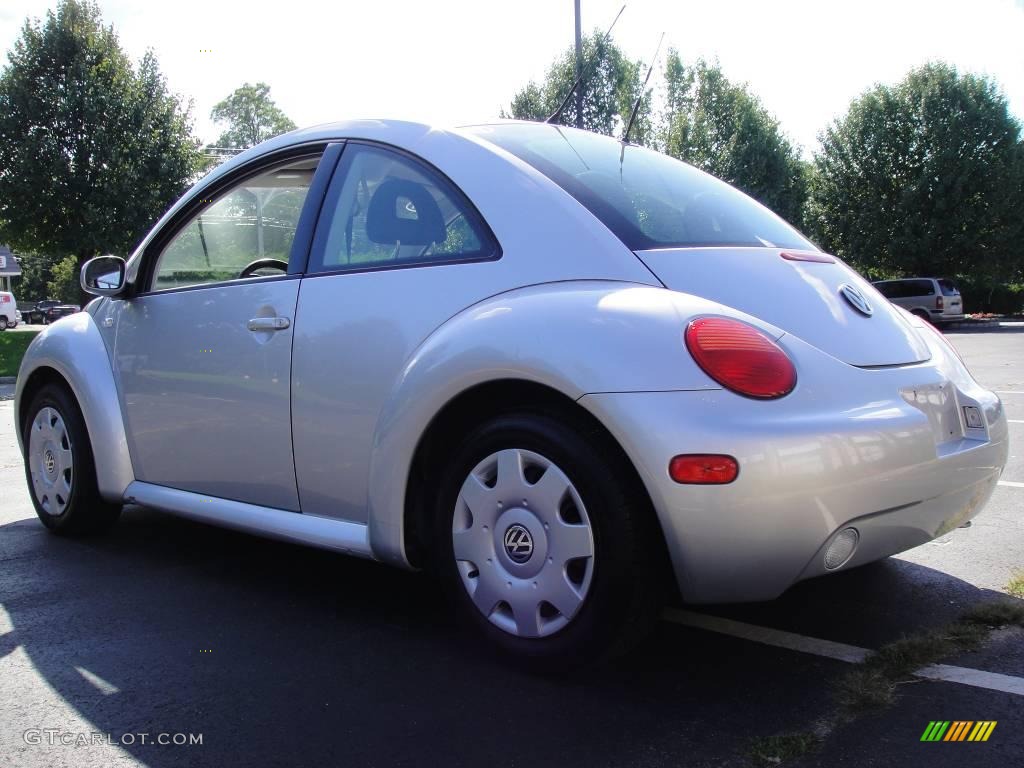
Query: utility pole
[(579, 68)]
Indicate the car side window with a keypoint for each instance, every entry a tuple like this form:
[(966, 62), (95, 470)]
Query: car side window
[(386, 209), (248, 223)]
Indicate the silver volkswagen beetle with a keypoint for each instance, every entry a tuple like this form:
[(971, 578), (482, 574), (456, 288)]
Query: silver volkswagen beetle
[(559, 371)]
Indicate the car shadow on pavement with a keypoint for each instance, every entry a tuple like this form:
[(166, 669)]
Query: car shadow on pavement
[(282, 655)]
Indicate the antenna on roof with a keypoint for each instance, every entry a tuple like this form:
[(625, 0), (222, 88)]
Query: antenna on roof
[(636, 105), (583, 72)]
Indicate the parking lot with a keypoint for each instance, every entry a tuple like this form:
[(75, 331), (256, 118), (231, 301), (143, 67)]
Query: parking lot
[(279, 655)]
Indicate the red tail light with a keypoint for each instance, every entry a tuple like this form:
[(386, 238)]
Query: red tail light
[(703, 469), (740, 357), (938, 302)]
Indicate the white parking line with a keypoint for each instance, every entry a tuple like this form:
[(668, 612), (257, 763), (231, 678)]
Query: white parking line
[(1016, 421), (768, 636), (979, 678), (1008, 392), (1011, 484), (851, 654), (107, 689)]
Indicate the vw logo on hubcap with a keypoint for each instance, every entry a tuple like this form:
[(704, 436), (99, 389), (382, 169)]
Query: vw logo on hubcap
[(48, 460), (518, 544), (856, 299)]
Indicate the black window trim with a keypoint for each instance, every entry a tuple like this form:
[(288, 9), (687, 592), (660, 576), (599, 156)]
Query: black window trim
[(338, 180), (329, 151)]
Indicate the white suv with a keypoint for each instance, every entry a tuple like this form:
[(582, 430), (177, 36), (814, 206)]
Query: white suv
[(9, 316), (936, 300)]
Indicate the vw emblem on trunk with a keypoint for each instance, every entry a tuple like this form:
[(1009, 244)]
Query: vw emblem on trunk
[(518, 544), (856, 299)]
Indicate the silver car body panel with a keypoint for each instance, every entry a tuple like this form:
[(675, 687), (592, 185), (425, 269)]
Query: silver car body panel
[(377, 354), (800, 297), (337, 535), (534, 334), (205, 399), (74, 348), (885, 451)]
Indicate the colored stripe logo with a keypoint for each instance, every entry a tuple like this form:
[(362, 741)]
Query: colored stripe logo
[(958, 730)]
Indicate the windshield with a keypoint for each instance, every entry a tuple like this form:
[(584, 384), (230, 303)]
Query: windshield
[(649, 200)]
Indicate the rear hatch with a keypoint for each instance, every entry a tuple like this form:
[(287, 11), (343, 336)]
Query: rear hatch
[(952, 304), (803, 298)]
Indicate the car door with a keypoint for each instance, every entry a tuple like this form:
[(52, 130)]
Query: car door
[(203, 348), (398, 250)]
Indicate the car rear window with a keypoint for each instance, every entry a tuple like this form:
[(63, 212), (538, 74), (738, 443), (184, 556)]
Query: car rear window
[(947, 288), (649, 200)]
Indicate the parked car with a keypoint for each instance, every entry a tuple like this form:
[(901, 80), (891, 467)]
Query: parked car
[(553, 368), (934, 299), (8, 311), (49, 310)]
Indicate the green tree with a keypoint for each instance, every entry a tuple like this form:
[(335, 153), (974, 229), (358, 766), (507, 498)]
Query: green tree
[(251, 117), (92, 150), (924, 177), (610, 87), (722, 128), (63, 283), (36, 271)]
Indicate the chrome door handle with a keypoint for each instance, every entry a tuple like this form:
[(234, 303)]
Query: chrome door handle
[(268, 323)]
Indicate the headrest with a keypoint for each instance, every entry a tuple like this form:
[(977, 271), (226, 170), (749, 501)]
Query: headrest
[(402, 211)]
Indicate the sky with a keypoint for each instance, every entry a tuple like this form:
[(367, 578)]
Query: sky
[(451, 62)]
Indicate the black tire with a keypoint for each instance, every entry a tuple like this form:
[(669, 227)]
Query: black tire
[(624, 596), (85, 511)]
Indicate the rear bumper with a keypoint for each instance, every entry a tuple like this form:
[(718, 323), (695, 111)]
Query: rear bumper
[(884, 451)]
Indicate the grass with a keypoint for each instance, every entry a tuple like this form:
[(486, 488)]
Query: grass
[(1016, 585), (872, 685), (12, 348), (775, 750)]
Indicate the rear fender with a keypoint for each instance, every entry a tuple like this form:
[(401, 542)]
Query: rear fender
[(575, 337)]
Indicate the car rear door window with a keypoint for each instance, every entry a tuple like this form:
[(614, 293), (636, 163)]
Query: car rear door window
[(922, 288), (889, 290), (947, 288), (386, 209)]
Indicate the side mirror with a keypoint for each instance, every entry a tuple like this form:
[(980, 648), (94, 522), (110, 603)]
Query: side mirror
[(103, 276)]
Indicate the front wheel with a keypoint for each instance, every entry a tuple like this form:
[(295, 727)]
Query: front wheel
[(544, 542), (60, 467)]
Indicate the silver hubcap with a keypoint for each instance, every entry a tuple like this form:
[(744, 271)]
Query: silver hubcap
[(523, 543), (50, 461)]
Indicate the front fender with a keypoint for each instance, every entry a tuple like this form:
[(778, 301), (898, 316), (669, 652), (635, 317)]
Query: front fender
[(74, 349), (576, 337)]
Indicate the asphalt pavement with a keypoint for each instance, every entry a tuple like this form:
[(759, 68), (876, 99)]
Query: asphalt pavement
[(275, 655)]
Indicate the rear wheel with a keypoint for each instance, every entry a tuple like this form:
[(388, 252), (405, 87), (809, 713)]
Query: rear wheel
[(60, 468), (543, 542)]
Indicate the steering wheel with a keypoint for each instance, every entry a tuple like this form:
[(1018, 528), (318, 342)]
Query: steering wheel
[(254, 266)]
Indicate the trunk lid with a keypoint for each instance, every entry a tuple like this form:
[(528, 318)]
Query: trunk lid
[(803, 298)]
